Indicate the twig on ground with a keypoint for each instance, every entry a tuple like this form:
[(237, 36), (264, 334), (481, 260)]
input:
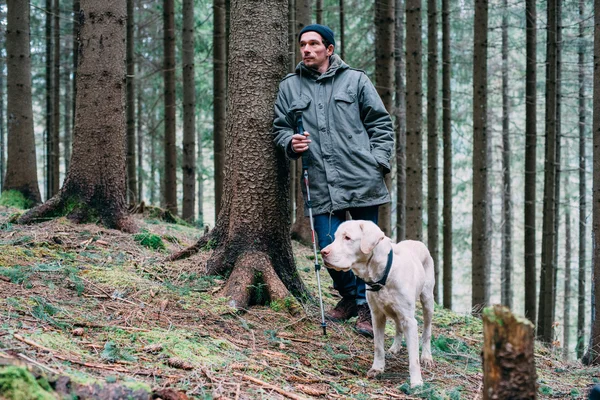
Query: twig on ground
[(269, 386)]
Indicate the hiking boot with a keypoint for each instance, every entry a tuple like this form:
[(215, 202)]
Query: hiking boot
[(343, 310), (363, 322)]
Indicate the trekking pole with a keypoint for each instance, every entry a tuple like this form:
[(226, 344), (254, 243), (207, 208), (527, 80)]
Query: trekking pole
[(300, 129)]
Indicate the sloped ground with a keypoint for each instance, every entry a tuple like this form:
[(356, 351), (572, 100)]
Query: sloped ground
[(103, 307)]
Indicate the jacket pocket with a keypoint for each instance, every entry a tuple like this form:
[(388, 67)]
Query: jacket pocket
[(344, 97), (299, 104)]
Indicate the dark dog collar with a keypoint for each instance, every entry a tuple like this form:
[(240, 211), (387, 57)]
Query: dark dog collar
[(377, 286)]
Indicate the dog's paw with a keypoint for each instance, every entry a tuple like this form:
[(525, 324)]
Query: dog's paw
[(395, 349), (416, 382), (427, 361), (373, 372)]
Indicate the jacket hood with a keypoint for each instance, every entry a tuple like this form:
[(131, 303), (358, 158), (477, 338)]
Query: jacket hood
[(335, 64)]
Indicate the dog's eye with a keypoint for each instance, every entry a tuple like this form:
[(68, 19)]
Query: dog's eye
[(346, 237)]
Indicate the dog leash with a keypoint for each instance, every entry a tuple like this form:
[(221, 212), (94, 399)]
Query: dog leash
[(377, 286)]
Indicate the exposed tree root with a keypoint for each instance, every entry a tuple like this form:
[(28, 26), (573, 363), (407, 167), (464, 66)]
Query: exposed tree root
[(190, 251), (253, 276)]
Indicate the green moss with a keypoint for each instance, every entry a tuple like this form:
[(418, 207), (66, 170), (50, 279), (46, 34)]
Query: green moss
[(16, 383), (16, 199), (150, 240)]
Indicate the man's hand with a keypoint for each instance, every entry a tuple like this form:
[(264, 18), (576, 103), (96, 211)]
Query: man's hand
[(300, 142)]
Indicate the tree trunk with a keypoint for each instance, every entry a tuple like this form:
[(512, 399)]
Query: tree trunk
[(75, 58), (170, 147), (432, 143), (132, 194), (508, 361), (153, 158), (252, 230), (49, 103), (414, 121), (400, 73), (593, 355), (220, 97), (189, 114), (506, 263), (301, 228), (384, 78), (292, 67), (546, 296), (56, 101), (567, 303), (342, 35), (140, 136), (447, 128), (2, 140), (21, 171), (99, 135), (480, 278), (530, 162), (67, 119), (581, 298), (200, 176), (319, 11)]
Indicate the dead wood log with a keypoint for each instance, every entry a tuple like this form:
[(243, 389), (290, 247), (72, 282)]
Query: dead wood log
[(508, 362)]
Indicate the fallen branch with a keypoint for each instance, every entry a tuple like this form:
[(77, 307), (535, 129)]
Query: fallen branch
[(269, 386)]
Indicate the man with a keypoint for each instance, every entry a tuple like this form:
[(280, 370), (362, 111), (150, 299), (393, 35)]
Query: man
[(348, 140)]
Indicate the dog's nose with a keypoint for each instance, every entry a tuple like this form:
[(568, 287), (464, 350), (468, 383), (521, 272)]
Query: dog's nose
[(325, 252)]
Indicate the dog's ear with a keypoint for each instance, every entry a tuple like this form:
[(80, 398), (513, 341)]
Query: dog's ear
[(371, 236)]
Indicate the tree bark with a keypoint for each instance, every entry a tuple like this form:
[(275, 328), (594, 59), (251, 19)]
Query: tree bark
[(506, 262), (530, 162), (480, 278), (508, 360), (567, 287), (2, 121), (384, 78), (56, 101), (200, 177), (170, 147), (400, 99), (342, 35), (547, 294), (75, 59), (593, 355), (447, 128), (220, 97), (252, 230), (432, 142), (414, 121), (67, 119), (319, 11), (99, 135), (132, 193), (582, 278), (300, 230), (189, 114), (21, 171), (49, 103), (140, 136)]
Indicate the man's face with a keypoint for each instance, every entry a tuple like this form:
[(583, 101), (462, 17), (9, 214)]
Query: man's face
[(314, 53)]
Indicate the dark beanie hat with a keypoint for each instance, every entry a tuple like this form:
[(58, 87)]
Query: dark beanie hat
[(325, 32)]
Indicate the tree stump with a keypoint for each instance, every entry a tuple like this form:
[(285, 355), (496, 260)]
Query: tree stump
[(508, 362)]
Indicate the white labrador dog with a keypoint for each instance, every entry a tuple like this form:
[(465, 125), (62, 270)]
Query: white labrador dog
[(362, 247)]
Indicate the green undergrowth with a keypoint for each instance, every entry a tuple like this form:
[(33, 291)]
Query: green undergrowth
[(17, 383), (16, 199), (150, 240)]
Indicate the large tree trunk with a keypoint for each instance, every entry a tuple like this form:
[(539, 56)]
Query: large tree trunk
[(414, 121), (480, 278), (75, 58), (506, 264), (384, 78), (200, 180), (49, 102), (342, 34), (170, 147), (220, 97), (301, 228), (56, 101), (140, 136), (546, 295), (447, 128), (319, 11), (530, 162), (67, 118), (132, 194), (2, 140), (189, 113), (21, 171), (432, 142), (94, 188), (582, 278), (252, 230), (593, 355), (508, 361), (567, 303), (400, 100)]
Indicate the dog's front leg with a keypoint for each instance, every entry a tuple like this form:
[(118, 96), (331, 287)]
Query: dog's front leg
[(412, 345), (378, 336)]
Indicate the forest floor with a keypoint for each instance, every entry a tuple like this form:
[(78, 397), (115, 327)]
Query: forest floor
[(89, 312)]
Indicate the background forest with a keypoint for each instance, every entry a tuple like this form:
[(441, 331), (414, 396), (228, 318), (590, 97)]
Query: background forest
[(514, 155)]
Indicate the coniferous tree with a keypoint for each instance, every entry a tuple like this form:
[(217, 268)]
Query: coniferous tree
[(400, 103), (414, 121), (49, 103), (132, 193), (342, 35), (2, 123), (170, 147), (220, 99), (481, 213), (384, 70), (189, 113), (432, 142), (21, 171), (447, 128), (56, 99), (75, 57), (567, 284)]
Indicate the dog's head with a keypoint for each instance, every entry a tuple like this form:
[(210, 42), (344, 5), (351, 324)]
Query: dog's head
[(354, 242)]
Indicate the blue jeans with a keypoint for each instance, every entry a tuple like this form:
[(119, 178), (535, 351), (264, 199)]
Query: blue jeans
[(344, 282)]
